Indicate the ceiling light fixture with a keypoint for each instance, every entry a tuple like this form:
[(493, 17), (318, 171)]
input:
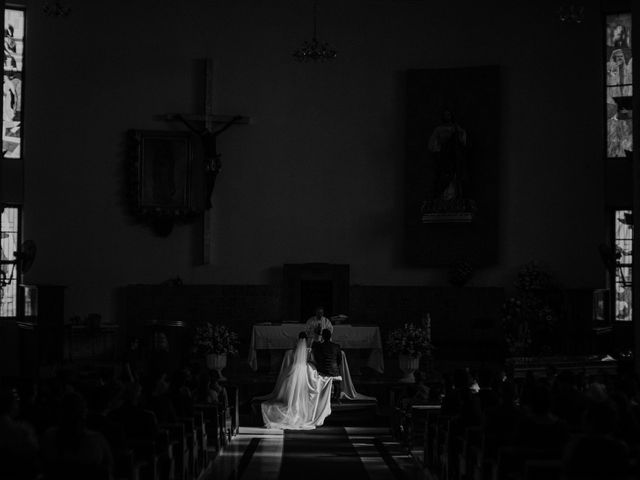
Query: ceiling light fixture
[(315, 50)]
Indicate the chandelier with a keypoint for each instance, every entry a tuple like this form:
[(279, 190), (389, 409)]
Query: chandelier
[(55, 9), (314, 50), (571, 13)]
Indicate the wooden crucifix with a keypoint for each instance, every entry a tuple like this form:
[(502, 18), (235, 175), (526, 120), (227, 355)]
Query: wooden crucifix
[(204, 126)]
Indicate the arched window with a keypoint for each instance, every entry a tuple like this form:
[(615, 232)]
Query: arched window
[(12, 111), (618, 76), (12, 108), (618, 71)]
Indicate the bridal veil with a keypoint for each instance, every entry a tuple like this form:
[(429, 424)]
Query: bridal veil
[(301, 399)]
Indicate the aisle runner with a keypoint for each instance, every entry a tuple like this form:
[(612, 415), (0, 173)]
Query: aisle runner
[(324, 454)]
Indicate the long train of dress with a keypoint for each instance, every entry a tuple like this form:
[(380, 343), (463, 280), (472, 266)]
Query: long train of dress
[(301, 399)]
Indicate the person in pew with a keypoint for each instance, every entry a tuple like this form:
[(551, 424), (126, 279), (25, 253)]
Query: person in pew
[(487, 389), (195, 370), (597, 457), (189, 379), (629, 424), (159, 359), (500, 420), (327, 357), (526, 389), (461, 400), (539, 428), (159, 401), (204, 394), (31, 408), (450, 404), (180, 394), (138, 422), (416, 394), (601, 418), (18, 442), (569, 403), (99, 405), (70, 450), (132, 361), (221, 396)]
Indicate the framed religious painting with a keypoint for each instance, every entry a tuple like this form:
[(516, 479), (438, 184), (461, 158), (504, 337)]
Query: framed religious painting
[(166, 169), (452, 166)]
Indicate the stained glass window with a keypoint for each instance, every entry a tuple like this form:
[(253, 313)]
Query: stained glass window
[(12, 83), (9, 241), (618, 71), (624, 259)]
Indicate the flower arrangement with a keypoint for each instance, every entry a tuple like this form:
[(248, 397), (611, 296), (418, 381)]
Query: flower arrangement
[(532, 277), (410, 340), (516, 329), (528, 319), (215, 338)]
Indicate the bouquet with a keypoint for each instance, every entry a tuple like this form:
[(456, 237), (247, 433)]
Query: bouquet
[(410, 340), (215, 338), (532, 277), (528, 319)]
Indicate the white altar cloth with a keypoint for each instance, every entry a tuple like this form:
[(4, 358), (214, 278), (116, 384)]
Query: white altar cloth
[(284, 336)]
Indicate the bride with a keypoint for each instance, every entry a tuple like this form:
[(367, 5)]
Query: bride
[(301, 399)]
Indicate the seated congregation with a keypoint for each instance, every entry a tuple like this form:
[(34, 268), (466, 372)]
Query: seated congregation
[(162, 425), (489, 425)]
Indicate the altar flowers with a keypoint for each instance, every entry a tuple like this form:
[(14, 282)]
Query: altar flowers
[(215, 339), (411, 340)]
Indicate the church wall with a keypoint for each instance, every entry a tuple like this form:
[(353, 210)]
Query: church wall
[(318, 174)]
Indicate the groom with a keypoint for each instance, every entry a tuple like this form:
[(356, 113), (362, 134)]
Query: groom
[(328, 358)]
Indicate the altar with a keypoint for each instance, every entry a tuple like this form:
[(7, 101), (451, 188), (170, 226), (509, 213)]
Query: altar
[(284, 336)]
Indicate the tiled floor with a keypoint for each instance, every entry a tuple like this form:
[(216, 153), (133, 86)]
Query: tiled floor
[(256, 453)]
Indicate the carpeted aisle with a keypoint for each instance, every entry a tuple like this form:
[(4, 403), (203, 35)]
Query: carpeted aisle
[(325, 453)]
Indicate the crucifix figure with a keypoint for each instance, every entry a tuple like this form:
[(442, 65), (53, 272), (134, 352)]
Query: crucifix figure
[(203, 127), (213, 165)]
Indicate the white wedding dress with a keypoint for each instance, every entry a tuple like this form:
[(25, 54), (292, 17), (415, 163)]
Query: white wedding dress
[(301, 399)]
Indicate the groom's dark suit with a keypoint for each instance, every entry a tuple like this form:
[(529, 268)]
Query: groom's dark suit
[(328, 358)]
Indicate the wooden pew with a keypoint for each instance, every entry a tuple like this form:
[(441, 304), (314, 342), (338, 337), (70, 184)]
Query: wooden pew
[(191, 437), (512, 460), (179, 449), (211, 419), (470, 441)]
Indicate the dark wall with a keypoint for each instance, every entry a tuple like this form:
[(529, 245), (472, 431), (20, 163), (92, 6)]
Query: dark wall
[(318, 175), (465, 322), (461, 317)]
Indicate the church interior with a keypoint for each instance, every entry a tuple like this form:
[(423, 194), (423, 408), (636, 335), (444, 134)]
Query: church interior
[(194, 193)]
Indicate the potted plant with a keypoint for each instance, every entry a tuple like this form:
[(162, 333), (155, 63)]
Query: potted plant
[(215, 342), (410, 343), (529, 318)]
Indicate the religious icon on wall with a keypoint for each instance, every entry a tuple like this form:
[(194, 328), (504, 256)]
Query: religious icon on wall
[(452, 167), (165, 164), (447, 197), (167, 178)]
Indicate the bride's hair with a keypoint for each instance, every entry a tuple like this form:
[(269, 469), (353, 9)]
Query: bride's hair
[(302, 335)]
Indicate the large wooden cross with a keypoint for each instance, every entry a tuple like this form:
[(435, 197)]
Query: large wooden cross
[(208, 135)]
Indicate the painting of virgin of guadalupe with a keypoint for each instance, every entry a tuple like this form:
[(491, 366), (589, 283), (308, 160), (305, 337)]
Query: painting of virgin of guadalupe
[(452, 166), (166, 184)]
